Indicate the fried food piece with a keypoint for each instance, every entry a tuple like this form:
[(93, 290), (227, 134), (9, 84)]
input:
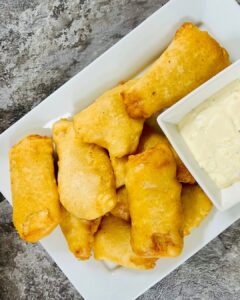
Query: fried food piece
[(183, 175), (107, 124), (86, 181), (112, 243), (36, 208), (150, 138), (192, 58), (121, 210), (196, 207), (119, 169), (79, 234), (154, 203)]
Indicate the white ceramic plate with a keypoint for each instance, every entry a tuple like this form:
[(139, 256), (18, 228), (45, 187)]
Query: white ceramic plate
[(169, 120), (93, 279)]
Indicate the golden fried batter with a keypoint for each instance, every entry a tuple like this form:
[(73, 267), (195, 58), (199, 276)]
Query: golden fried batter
[(183, 175), (112, 243), (79, 234), (196, 207), (119, 169), (191, 59), (85, 178), (121, 209), (150, 138), (107, 124), (154, 203), (36, 209)]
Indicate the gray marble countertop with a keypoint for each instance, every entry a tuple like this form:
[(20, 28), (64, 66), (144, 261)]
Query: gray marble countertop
[(43, 43)]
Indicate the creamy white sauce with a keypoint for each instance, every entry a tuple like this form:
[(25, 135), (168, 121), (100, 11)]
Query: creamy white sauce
[(212, 133)]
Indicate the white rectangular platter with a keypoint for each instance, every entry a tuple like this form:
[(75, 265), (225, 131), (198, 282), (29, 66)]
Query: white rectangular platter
[(93, 279)]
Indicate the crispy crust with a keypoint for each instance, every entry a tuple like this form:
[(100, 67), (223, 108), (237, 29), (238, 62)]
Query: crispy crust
[(79, 234), (121, 210), (36, 209), (119, 169), (154, 203), (107, 124), (150, 138), (191, 59), (112, 243), (196, 206), (86, 181)]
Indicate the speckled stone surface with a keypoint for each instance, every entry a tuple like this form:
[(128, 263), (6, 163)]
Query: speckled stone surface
[(42, 44)]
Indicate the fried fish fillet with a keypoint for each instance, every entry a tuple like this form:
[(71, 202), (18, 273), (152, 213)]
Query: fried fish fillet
[(107, 124), (191, 59), (121, 209), (36, 207), (79, 234), (150, 138), (112, 243), (155, 205), (86, 181), (119, 169), (196, 207)]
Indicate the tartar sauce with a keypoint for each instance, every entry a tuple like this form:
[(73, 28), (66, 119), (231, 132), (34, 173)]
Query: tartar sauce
[(212, 133)]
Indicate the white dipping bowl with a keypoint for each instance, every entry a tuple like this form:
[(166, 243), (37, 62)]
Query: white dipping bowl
[(169, 120)]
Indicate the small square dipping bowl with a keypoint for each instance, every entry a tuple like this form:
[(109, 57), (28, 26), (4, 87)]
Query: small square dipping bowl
[(169, 120)]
